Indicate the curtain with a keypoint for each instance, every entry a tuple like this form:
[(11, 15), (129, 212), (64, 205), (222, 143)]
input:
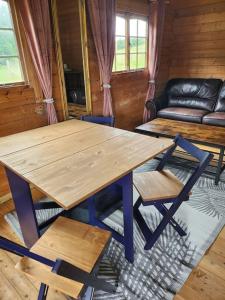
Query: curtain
[(35, 15), (102, 15), (156, 26)]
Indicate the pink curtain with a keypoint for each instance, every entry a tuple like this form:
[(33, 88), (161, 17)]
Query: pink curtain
[(35, 15), (156, 25), (102, 17)]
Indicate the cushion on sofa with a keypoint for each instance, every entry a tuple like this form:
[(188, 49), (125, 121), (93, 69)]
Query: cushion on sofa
[(216, 118), (220, 105), (182, 114), (193, 93)]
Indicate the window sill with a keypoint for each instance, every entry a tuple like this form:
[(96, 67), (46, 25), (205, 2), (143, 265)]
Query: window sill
[(14, 85), (129, 72)]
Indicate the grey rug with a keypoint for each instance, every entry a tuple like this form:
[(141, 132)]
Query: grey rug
[(159, 273)]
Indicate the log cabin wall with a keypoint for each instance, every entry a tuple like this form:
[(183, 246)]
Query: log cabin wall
[(198, 48), (129, 88), (21, 107)]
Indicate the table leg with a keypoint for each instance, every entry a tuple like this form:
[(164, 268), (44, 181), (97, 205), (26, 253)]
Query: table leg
[(219, 166), (23, 201), (127, 239), (127, 186)]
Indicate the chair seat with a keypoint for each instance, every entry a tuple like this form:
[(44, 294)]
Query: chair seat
[(155, 185), (77, 243)]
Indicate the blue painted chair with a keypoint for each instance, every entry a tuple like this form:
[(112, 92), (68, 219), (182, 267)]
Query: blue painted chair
[(63, 240), (161, 186), (109, 121)]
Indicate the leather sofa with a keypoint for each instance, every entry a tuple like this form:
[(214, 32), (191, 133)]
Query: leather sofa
[(191, 100)]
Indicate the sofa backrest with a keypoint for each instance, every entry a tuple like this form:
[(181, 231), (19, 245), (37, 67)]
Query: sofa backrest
[(193, 93), (220, 105)]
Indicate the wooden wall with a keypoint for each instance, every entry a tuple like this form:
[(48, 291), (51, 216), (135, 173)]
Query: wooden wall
[(69, 29), (21, 107), (193, 46), (198, 48), (129, 89)]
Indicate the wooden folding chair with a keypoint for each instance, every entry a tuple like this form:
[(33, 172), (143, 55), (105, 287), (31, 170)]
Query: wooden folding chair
[(161, 186), (109, 121), (65, 258)]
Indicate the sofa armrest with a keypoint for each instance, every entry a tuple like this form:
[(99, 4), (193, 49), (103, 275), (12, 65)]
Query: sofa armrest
[(157, 103), (150, 105)]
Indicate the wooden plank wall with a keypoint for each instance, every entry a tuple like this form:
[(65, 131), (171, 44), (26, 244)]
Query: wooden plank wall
[(69, 28), (198, 48), (129, 88), (21, 107), (193, 46)]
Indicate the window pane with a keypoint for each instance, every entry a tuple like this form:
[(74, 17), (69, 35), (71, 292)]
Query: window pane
[(120, 62), (141, 60), (142, 28), (133, 27), (114, 64), (133, 45), (120, 26), (120, 45), (10, 70), (141, 45), (8, 43), (133, 61), (5, 17)]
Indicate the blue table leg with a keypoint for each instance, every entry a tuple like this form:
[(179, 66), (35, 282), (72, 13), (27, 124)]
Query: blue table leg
[(127, 239), (127, 186), (23, 201)]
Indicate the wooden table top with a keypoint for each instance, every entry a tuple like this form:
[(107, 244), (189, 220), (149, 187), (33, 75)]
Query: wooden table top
[(200, 133), (72, 160)]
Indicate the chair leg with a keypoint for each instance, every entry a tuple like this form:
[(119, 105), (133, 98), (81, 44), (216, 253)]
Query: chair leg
[(140, 220), (163, 210), (166, 220), (43, 291), (92, 211)]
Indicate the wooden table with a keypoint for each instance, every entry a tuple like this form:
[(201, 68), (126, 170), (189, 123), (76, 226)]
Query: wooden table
[(70, 162), (198, 133)]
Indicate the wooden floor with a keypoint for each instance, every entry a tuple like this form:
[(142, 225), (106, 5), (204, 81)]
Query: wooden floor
[(206, 282)]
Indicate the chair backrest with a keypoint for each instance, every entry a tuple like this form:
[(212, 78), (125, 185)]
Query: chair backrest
[(203, 158), (109, 121)]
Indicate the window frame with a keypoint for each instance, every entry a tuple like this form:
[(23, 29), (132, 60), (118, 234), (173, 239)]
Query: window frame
[(127, 17), (20, 56)]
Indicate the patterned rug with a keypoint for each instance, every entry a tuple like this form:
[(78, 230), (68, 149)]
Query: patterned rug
[(159, 273)]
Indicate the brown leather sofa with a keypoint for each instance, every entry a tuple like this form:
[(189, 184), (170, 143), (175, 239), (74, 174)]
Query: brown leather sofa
[(192, 100)]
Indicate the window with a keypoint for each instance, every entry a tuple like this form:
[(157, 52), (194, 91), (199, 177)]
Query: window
[(10, 62), (131, 43)]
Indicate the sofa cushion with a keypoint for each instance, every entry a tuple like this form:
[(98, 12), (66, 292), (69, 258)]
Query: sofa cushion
[(193, 93), (182, 114), (220, 105), (216, 118)]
